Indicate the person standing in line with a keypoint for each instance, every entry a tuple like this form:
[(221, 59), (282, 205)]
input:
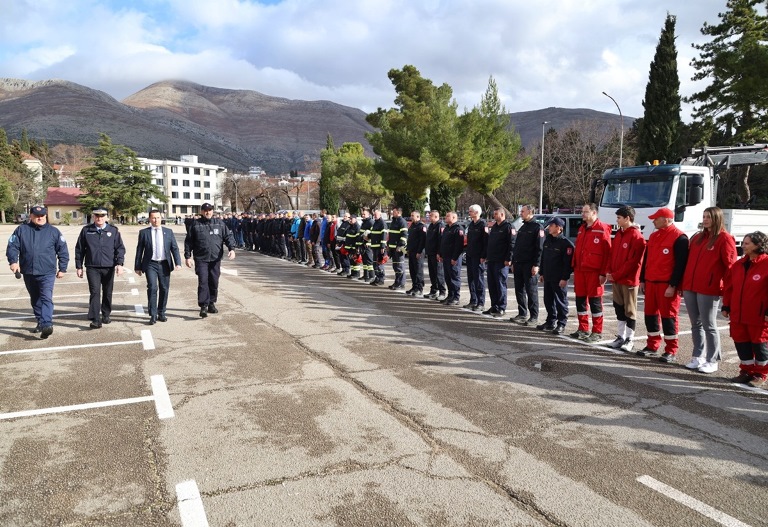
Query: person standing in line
[(101, 250), (316, 239), (364, 246), (627, 251), (341, 241), (352, 245), (378, 237), (590, 267), (397, 240), (204, 249), (526, 259), (157, 255), (498, 259), (414, 250), (451, 251), (711, 252), (437, 290), (477, 244), (660, 276), (556, 256), (39, 251), (745, 304)]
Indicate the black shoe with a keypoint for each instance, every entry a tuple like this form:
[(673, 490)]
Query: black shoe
[(212, 308), (409, 292), (454, 302), (468, 306), (95, 324), (648, 352), (36, 329), (559, 330), (152, 321), (105, 319), (203, 311), (529, 322), (162, 318), (546, 326), (490, 311), (398, 288), (499, 313), (668, 358), (46, 332)]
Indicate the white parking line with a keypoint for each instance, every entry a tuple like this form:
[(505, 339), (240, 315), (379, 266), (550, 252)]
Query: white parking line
[(692, 503), (139, 309), (74, 346), (82, 314), (160, 397), (146, 340), (229, 271), (131, 280), (190, 505), (134, 292), (68, 296)]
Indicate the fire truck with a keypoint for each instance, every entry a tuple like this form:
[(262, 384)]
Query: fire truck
[(687, 188)]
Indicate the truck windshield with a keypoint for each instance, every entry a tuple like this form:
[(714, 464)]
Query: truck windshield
[(647, 191)]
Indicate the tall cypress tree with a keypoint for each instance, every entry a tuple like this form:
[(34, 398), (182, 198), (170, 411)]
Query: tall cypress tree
[(659, 134)]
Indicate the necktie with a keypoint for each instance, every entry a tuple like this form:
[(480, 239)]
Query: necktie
[(156, 244)]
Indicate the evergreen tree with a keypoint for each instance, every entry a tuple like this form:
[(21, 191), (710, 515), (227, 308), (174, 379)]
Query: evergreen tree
[(24, 143), (659, 132), (117, 181), (329, 194)]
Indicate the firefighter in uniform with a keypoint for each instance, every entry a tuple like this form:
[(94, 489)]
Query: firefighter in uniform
[(661, 273), (436, 274), (526, 258), (378, 246), (341, 242), (414, 249), (451, 249), (364, 246), (398, 236), (590, 267), (352, 247), (100, 248), (556, 255), (477, 244), (498, 258)]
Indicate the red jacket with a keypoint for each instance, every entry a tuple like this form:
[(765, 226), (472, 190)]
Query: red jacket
[(745, 293), (627, 250), (593, 248), (706, 267)]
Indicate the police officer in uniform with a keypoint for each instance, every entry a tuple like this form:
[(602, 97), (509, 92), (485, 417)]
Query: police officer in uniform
[(526, 259), (451, 250), (100, 248), (398, 237), (435, 229), (205, 243), (417, 240), (498, 259), (477, 244), (39, 252), (556, 258), (378, 238)]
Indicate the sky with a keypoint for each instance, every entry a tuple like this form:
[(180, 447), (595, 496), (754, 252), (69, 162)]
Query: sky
[(541, 53)]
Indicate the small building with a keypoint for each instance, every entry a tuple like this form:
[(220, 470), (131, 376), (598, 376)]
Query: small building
[(61, 201)]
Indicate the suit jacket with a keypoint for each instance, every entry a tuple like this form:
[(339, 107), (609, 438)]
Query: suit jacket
[(144, 249)]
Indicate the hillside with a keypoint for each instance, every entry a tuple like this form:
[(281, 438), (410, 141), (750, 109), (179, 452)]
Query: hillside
[(232, 128)]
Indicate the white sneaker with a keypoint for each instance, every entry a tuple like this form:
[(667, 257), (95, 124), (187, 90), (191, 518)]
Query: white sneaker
[(627, 346), (617, 343), (708, 367), (695, 363)]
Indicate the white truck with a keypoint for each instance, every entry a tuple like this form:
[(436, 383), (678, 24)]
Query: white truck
[(687, 188)]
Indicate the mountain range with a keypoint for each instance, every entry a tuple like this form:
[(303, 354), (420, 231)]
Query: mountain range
[(232, 128)]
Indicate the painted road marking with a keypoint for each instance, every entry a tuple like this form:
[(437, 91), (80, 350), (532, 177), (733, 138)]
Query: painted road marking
[(68, 296), (229, 271), (139, 309), (146, 340), (692, 503), (160, 397), (74, 346), (190, 505), (82, 314), (131, 280), (134, 292)]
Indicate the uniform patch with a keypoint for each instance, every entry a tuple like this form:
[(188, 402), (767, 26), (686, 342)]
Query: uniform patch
[(756, 277), (216, 230), (665, 251), (541, 233), (461, 233), (625, 245), (61, 239), (424, 229), (569, 251), (596, 240), (514, 232), (109, 234)]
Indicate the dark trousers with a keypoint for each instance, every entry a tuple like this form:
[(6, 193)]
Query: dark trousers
[(158, 281), (436, 275), (40, 289), (556, 303), (476, 280), (452, 277), (100, 282), (398, 266), (497, 284), (416, 270), (526, 291), (207, 281)]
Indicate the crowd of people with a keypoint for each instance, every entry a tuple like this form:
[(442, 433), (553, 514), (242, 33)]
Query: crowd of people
[(669, 268)]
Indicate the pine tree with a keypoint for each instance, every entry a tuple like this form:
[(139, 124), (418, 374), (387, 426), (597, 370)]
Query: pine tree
[(24, 143), (659, 136)]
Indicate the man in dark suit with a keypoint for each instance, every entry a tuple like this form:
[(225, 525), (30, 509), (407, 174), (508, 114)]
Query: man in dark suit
[(157, 254)]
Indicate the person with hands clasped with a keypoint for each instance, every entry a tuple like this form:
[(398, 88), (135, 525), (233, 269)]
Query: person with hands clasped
[(101, 250), (745, 303), (556, 257)]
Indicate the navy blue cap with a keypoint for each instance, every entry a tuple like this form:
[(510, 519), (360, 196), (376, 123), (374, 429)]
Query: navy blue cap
[(38, 210), (206, 206), (556, 221)]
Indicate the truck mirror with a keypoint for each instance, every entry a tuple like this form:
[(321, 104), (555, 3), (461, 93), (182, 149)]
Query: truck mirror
[(696, 195)]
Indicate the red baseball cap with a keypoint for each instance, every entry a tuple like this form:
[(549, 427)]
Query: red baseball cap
[(662, 213)]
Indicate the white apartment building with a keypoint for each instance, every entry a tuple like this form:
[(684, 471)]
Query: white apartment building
[(186, 183)]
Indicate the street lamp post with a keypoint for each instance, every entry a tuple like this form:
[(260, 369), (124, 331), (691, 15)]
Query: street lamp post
[(621, 137), (541, 187)]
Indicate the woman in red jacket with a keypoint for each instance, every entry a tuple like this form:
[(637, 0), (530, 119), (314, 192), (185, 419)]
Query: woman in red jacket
[(711, 253), (745, 302)]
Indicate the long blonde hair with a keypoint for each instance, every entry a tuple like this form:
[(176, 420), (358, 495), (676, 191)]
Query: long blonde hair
[(716, 215)]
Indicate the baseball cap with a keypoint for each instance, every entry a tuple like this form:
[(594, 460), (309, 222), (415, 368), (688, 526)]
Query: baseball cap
[(556, 221), (38, 211), (206, 206), (662, 213)]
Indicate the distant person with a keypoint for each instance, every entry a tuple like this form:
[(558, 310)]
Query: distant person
[(745, 301), (711, 252), (39, 252), (101, 250), (157, 255), (204, 249)]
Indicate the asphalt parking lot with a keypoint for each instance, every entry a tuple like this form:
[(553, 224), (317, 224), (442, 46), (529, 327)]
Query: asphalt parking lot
[(315, 400)]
